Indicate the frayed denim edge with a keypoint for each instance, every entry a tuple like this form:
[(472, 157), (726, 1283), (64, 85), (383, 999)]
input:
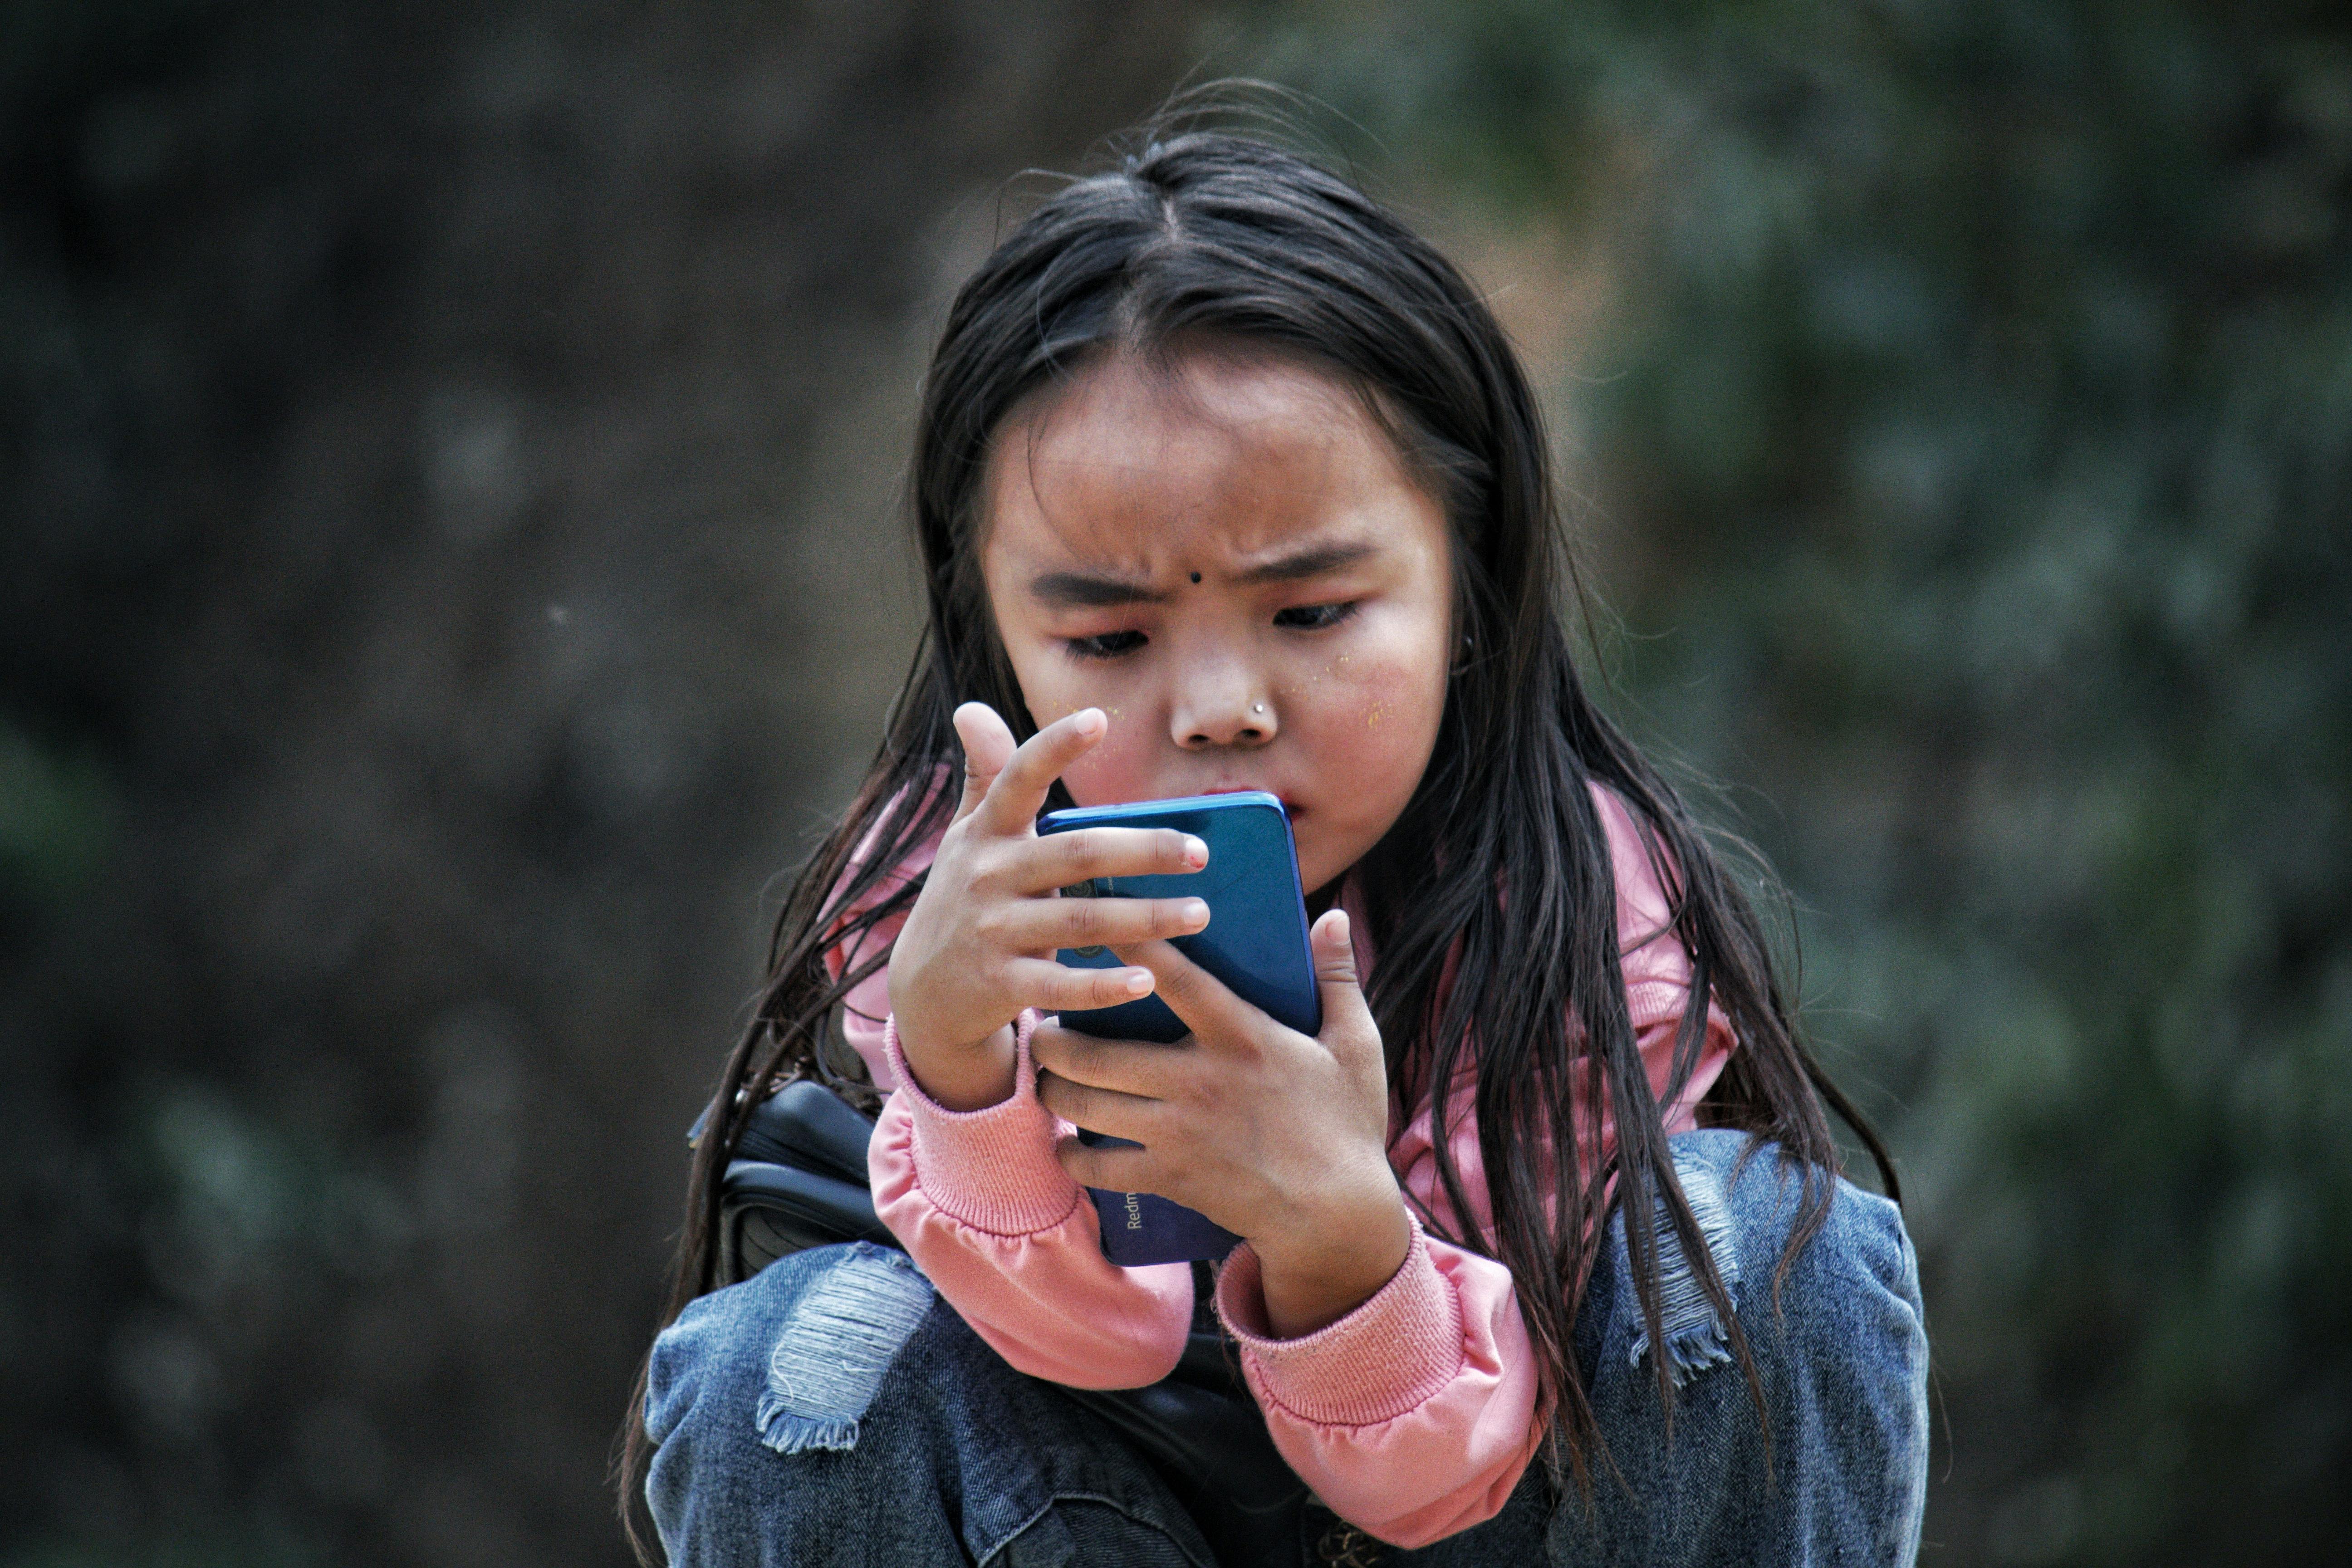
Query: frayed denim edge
[(1694, 1336), (830, 1358)]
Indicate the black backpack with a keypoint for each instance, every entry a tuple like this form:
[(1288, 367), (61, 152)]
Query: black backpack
[(798, 1180)]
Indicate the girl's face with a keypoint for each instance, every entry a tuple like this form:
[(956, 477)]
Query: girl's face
[(1228, 557)]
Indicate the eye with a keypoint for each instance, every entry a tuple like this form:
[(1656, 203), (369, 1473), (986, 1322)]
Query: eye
[(1107, 645), (1313, 617)]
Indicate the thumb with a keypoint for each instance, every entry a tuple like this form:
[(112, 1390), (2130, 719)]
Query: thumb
[(987, 747), (1346, 1015)]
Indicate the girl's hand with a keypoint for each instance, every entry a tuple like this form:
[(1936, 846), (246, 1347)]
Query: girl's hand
[(1281, 1139), (978, 947)]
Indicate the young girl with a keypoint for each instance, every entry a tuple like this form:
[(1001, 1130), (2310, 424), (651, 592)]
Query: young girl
[(1225, 480)]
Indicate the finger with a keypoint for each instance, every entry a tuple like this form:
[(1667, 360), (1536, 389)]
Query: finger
[(1051, 987), (1040, 925), (987, 745), (1018, 793), (1347, 1017), (1129, 1067), (1058, 859), (1099, 1109), (1114, 1169), (1207, 1006)]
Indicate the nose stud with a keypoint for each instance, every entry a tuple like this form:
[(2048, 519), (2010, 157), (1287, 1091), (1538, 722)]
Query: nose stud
[(1257, 707)]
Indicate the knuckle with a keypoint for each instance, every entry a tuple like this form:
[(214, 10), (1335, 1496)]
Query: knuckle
[(989, 870)]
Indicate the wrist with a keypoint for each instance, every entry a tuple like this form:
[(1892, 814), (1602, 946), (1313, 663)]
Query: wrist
[(1328, 1267), (960, 1077)]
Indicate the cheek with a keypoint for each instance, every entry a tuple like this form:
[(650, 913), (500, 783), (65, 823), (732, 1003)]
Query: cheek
[(1378, 727), (1383, 698), (1119, 768), (1369, 723)]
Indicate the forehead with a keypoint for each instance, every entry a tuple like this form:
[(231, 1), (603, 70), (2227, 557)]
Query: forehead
[(1207, 456)]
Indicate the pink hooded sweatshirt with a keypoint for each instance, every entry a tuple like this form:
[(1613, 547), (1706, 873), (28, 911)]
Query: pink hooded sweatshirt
[(1411, 1417)]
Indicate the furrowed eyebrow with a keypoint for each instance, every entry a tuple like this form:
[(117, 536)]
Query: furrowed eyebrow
[(1312, 562), (1077, 591), (1080, 590)]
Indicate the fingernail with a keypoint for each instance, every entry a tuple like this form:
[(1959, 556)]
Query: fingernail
[(1338, 926), (1139, 982), (1196, 914), (1091, 721), (1196, 854)]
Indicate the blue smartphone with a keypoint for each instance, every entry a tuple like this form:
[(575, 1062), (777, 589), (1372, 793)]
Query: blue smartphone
[(1255, 943)]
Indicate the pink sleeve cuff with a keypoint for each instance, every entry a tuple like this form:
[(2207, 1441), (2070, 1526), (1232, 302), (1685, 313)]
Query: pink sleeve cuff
[(991, 1169), (1381, 1361)]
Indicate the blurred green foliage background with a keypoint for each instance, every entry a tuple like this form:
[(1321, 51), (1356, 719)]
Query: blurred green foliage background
[(447, 465)]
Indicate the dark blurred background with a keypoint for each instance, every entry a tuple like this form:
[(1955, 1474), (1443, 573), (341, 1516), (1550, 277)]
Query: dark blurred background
[(449, 563)]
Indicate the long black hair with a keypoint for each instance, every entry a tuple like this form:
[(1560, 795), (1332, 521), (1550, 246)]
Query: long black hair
[(1500, 855)]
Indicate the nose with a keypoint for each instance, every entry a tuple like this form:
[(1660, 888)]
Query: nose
[(1223, 704)]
